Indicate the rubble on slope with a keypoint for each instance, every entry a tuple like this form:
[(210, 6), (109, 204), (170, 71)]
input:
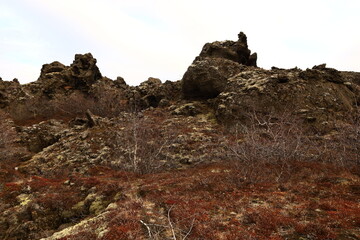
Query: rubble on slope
[(318, 98)]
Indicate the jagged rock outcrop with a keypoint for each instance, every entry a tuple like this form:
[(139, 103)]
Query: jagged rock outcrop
[(113, 143), (235, 51), (208, 74), (51, 68), (39, 136), (10, 91), (152, 93), (207, 77), (319, 96), (56, 77), (60, 88), (225, 72), (83, 72), (149, 92)]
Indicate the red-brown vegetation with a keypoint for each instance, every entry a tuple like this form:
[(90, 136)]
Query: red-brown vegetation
[(272, 181)]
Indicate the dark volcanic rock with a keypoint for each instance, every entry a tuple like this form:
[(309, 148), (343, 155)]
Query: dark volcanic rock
[(235, 51), (52, 67), (252, 60), (321, 72), (207, 77), (218, 61), (83, 72), (9, 92), (42, 135), (152, 91), (56, 77), (320, 97)]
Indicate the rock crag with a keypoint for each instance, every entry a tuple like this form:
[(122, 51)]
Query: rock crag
[(207, 76)]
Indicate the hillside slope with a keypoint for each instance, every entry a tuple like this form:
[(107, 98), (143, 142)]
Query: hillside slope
[(231, 151)]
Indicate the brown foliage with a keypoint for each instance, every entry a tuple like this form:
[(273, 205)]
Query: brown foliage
[(66, 107), (268, 147)]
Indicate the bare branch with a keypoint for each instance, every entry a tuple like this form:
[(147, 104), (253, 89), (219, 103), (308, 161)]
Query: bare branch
[(191, 227), (147, 227), (170, 223)]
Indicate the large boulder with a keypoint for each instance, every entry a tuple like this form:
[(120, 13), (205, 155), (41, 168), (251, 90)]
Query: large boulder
[(51, 68), (235, 51), (51, 79), (217, 62), (9, 92), (154, 93), (39, 136), (83, 72), (207, 77), (56, 77)]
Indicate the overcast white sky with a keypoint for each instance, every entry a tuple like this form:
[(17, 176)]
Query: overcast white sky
[(137, 39)]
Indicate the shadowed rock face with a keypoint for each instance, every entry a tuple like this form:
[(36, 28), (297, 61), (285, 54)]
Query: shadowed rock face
[(207, 77), (9, 92), (81, 74), (51, 68), (208, 74), (235, 51)]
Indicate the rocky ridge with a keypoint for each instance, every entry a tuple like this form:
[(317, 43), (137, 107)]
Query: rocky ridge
[(119, 154)]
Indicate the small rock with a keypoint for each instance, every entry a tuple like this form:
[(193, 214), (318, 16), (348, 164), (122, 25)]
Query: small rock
[(67, 182), (84, 135), (310, 119), (91, 119), (320, 67), (282, 79), (302, 111), (164, 102)]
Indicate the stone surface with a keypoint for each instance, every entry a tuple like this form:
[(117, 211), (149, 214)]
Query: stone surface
[(39, 136), (51, 68), (10, 91), (277, 91), (236, 51), (217, 61), (207, 77), (83, 72)]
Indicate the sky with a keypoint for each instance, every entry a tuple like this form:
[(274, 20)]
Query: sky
[(138, 39)]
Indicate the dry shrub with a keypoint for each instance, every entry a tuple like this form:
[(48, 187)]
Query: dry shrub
[(36, 109), (343, 147), (143, 144), (264, 149), (173, 227), (269, 146), (266, 221), (123, 229), (31, 111), (109, 103), (82, 235), (11, 152), (7, 138), (314, 231), (103, 104)]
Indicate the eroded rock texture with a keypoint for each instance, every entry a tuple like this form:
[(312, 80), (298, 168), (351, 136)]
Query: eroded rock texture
[(208, 74)]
